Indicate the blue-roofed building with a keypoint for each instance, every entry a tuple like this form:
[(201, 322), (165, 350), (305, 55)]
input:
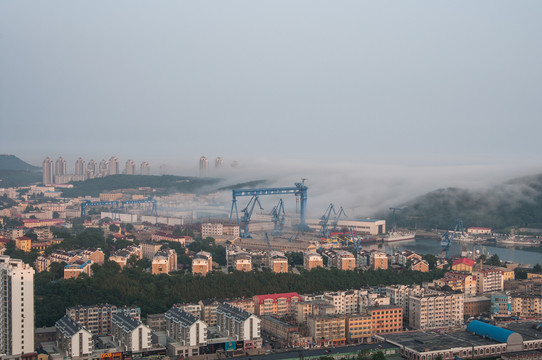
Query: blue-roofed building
[(513, 340)]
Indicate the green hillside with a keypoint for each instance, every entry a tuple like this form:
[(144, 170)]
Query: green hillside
[(514, 203), (14, 178), (162, 184), (12, 162)]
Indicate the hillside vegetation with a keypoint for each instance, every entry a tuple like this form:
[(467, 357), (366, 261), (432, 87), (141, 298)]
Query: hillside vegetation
[(12, 162), (163, 184), (514, 203)]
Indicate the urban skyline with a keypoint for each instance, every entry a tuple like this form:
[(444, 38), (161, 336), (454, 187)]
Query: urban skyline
[(397, 83)]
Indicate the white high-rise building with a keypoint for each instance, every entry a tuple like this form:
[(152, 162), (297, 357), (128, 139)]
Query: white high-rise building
[(92, 169), (113, 165), (103, 168), (203, 166), (16, 307), (219, 162), (80, 167), (47, 171), (130, 167), (60, 167), (145, 168)]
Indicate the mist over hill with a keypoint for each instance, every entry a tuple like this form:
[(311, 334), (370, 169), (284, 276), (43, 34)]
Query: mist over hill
[(515, 203)]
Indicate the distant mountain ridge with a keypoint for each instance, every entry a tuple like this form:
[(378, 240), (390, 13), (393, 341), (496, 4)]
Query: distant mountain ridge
[(12, 162), (515, 203)]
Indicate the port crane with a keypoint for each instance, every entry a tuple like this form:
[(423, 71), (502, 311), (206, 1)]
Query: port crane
[(247, 214), (394, 218), (324, 219), (299, 190), (356, 241), (335, 221), (278, 218), (449, 235)]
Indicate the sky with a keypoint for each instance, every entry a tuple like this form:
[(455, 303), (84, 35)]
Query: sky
[(417, 87)]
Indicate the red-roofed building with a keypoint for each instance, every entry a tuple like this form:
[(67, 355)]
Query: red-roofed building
[(463, 264), (276, 304)]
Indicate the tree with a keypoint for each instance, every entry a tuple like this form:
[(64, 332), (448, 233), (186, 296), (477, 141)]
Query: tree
[(379, 355), (431, 259), (130, 227), (56, 215), (537, 268), (494, 260), (114, 228)]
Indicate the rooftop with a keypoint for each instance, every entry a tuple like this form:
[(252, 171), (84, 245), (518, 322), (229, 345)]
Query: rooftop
[(234, 312), (424, 341), (179, 316), (67, 326), (125, 321)]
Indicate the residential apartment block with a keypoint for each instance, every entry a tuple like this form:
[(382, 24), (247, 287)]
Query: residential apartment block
[(73, 339), (275, 304), (312, 260), (97, 318), (129, 333), (434, 310), (16, 307)]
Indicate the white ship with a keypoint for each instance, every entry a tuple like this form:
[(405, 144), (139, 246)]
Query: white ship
[(398, 236), (518, 241), (467, 238)]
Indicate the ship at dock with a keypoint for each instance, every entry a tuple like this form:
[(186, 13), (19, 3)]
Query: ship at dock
[(395, 235)]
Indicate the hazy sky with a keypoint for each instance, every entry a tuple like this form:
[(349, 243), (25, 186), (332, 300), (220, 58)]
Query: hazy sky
[(397, 83)]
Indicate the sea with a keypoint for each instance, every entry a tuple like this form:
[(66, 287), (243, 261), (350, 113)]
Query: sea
[(526, 255)]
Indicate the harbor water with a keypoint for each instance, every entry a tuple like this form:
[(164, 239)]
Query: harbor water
[(526, 255)]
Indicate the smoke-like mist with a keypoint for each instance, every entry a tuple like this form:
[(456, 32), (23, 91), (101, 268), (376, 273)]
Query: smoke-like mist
[(364, 189)]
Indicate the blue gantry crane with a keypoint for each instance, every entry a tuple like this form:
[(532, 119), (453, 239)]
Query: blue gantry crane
[(448, 237), (116, 208), (247, 214), (96, 203), (278, 218), (299, 190)]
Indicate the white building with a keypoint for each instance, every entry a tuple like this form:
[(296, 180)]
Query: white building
[(130, 333), (361, 226), (345, 302), (72, 338), (435, 310), (238, 324), (189, 331), (16, 307)]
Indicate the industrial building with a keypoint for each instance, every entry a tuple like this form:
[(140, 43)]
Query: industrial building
[(480, 340)]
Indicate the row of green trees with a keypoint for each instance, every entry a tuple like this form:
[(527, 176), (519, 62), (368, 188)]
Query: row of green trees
[(157, 293)]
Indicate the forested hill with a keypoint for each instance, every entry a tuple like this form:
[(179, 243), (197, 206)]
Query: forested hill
[(515, 203), (163, 184), (12, 162)]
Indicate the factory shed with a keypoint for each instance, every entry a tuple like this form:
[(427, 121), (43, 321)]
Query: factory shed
[(513, 340)]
